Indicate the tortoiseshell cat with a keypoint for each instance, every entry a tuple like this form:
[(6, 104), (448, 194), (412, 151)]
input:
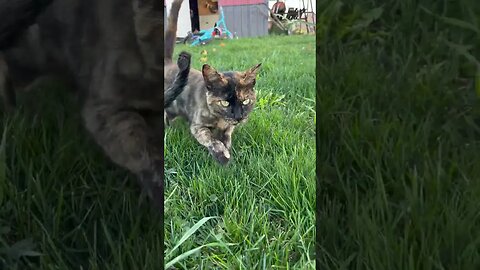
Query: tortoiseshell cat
[(111, 50), (213, 102)]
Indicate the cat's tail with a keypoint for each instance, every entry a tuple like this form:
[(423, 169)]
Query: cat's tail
[(171, 32), (17, 16), (181, 79)]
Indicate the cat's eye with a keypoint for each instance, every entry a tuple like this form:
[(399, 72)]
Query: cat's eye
[(246, 101), (224, 103)]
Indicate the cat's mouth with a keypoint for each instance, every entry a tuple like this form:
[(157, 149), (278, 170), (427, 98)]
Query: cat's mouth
[(232, 121)]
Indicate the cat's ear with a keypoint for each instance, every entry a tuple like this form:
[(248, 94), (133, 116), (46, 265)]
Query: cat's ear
[(212, 77), (251, 74)]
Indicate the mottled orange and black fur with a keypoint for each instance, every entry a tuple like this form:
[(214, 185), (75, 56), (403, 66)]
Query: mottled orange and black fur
[(213, 102), (112, 51)]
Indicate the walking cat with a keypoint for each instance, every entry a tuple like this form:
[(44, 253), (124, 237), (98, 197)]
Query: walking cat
[(213, 102), (112, 50)]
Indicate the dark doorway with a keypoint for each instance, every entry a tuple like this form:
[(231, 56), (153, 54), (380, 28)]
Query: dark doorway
[(194, 17)]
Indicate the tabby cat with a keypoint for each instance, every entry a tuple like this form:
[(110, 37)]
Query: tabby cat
[(213, 102)]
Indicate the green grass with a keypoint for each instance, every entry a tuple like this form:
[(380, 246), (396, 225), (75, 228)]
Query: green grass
[(399, 135), (64, 206), (264, 199), (398, 143)]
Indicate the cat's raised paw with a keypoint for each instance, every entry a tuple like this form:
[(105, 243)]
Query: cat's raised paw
[(183, 61), (220, 153)]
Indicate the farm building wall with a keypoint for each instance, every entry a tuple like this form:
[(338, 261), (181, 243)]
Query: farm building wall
[(246, 18)]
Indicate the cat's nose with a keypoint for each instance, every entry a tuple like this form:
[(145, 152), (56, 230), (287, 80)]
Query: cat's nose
[(237, 115)]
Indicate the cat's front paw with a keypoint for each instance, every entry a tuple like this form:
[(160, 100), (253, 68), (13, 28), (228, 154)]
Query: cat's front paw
[(228, 144), (219, 152), (183, 61)]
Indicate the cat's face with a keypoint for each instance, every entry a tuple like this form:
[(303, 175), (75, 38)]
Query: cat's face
[(230, 95)]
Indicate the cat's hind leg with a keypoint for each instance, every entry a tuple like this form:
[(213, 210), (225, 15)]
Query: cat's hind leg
[(130, 142)]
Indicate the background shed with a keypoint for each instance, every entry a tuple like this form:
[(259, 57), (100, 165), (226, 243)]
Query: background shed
[(246, 18)]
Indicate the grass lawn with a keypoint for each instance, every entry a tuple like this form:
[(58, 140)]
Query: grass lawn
[(64, 206), (264, 200), (399, 134)]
